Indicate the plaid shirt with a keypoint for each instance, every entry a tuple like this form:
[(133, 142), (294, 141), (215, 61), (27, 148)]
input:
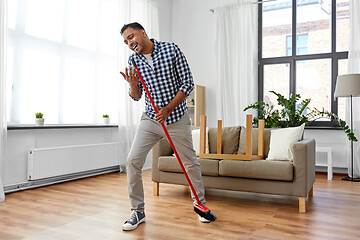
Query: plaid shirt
[(171, 74)]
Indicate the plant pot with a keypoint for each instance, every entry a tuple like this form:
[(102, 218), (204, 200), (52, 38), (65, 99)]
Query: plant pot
[(39, 121), (106, 120)]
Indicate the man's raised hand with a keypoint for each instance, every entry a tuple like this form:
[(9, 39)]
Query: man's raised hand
[(130, 76)]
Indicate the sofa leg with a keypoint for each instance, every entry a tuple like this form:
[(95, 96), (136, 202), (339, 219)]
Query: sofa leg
[(311, 192), (302, 205), (156, 189)]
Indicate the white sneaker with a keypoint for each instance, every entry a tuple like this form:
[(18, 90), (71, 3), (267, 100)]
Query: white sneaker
[(204, 220), (135, 219)]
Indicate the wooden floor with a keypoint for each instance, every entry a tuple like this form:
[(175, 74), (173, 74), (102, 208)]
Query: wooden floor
[(96, 207)]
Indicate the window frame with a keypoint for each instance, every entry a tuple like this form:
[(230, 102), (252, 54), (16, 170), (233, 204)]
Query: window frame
[(291, 60)]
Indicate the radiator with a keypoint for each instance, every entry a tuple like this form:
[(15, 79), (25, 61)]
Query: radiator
[(58, 161)]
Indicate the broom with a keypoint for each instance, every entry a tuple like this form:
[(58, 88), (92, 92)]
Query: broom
[(199, 208)]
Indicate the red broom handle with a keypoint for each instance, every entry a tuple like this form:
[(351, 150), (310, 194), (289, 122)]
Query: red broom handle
[(166, 133)]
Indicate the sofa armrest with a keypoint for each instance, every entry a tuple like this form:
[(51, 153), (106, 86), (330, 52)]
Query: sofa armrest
[(162, 148), (304, 165)]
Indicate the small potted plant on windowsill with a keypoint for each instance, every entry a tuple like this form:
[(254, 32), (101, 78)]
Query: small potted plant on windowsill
[(106, 119), (39, 120)]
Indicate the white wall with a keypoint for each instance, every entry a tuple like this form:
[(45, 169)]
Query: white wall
[(194, 30)]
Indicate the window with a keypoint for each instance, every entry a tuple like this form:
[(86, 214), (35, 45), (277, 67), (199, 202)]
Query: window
[(62, 60), (313, 80), (276, 78), (302, 49), (276, 25)]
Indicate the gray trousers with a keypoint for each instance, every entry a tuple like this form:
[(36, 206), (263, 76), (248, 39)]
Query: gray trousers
[(147, 135)]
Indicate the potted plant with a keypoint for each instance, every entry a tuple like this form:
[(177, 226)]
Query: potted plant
[(106, 119), (39, 120), (292, 114)]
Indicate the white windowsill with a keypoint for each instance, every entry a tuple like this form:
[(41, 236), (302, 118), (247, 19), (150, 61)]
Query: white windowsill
[(58, 126)]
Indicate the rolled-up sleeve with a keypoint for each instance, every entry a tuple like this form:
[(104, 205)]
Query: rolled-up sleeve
[(183, 72)]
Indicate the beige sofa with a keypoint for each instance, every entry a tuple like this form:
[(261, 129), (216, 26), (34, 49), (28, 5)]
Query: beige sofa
[(292, 178)]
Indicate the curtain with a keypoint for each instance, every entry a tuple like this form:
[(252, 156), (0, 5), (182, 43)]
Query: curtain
[(236, 53), (354, 67), (144, 12), (3, 28)]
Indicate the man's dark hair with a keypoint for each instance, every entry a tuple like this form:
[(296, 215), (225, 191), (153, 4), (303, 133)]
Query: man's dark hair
[(133, 25)]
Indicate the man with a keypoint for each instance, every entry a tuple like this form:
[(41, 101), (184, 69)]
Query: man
[(167, 76)]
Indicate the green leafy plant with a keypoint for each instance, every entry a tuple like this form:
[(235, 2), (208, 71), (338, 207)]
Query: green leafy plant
[(39, 115), (105, 116), (292, 114), (317, 114)]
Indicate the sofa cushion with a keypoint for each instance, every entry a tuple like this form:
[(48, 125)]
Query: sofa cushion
[(229, 140), (282, 141), (259, 169), (254, 141), (209, 167)]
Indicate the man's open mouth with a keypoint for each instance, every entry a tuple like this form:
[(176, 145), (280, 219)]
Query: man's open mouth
[(135, 45)]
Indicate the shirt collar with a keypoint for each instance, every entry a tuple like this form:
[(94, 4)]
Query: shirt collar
[(154, 50), (155, 47)]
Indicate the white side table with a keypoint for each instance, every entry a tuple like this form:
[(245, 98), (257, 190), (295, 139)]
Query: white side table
[(329, 164)]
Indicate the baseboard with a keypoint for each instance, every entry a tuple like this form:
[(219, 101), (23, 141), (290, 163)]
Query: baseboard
[(60, 179), (334, 174), (319, 169)]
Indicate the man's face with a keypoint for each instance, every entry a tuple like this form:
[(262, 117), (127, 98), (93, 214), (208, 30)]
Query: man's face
[(135, 39)]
